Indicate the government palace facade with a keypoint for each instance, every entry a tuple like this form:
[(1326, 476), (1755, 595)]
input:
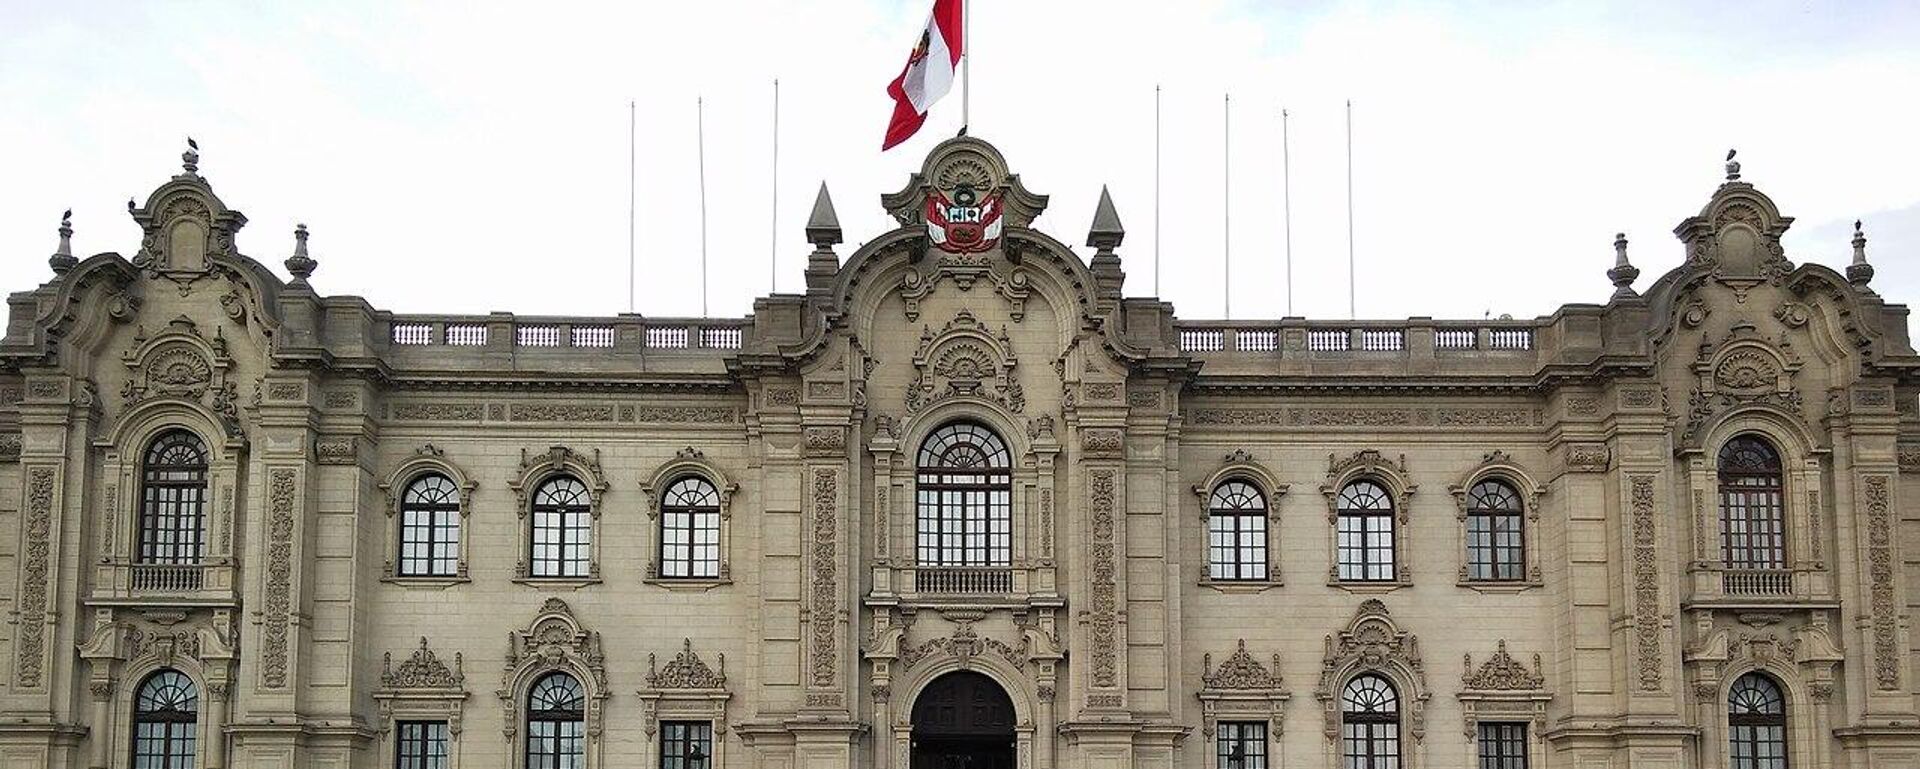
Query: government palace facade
[(959, 505)]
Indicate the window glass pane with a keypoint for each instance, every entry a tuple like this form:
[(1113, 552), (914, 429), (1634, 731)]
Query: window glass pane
[(964, 498), (173, 498)]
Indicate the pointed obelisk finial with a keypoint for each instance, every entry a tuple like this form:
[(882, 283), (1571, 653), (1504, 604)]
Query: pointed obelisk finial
[(1623, 273), (63, 259), (1859, 273), (823, 231), (190, 160), (300, 264), (1733, 166), (1106, 232)]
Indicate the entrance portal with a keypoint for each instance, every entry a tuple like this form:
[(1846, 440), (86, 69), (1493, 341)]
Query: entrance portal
[(963, 720)]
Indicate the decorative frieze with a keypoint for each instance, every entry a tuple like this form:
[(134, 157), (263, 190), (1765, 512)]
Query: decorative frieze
[(1103, 635), (10, 445), (1582, 406), (826, 441), (286, 391), (824, 607), (1587, 457), (687, 414), (336, 450), (1647, 623), (964, 645), (560, 412), (341, 399), (1101, 441), (429, 411), (1640, 397), (278, 612), (1909, 457), (1488, 417)]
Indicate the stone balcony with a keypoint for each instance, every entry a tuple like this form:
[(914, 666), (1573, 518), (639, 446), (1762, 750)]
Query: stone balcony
[(123, 583)]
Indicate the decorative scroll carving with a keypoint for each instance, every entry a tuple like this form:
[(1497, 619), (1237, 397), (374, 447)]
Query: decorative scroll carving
[(964, 360), (31, 642), (279, 599), (1880, 576), (1103, 441), (1909, 457), (1582, 406), (1240, 671), (1502, 673), (560, 412), (965, 270), (1587, 457), (336, 450), (182, 364), (286, 391), (963, 646), (1646, 585), (687, 414), (436, 412), (1103, 610), (555, 641), (1488, 417), (783, 396), (826, 441), (825, 604), (686, 671), (423, 670), (10, 448)]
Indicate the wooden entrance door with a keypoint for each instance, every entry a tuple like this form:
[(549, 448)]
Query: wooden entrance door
[(963, 720)]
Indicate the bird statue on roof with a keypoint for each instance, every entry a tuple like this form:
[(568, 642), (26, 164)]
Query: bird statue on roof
[(130, 205), (67, 217), (1733, 166), (191, 144)]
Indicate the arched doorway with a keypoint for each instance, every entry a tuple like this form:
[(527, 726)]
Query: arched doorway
[(963, 720)]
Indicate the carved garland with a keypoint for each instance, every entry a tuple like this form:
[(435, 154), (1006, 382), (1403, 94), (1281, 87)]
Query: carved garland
[(825, 608), (33, 586), (1103, 619), (1880, 575)]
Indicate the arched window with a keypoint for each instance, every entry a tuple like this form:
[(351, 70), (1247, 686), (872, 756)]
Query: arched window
[(562, 528), (1369, 724), (1752, 505), (1496, 547), (690, 529), (1365, 535), (166, 710), (1757, 723), (965, 498), (173, 499), (430, 528), (1237, 531), (557, 723)]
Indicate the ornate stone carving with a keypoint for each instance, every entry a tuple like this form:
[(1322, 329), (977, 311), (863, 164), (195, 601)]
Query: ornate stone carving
[(1640, 397), (182, 364), (30, 643), (1240, 671), (1587, 457), (1582, 406), (1143, 399), (423, 670), (1102, 441), (1502, 673), (826, 441), (336, 450), (1646, 586), (554, 641), (559, 412), (341, 399), (824, 605), (1747, 370), (1880, 576), (687, 414), (1909, 457), (963, 646), (278, 613), (964, 360), (10, 444), (783, 396), (1488, 417), (1103, 635), (436, 412), (1238, 416), (686, 671), (286, 391), (1372, 642)]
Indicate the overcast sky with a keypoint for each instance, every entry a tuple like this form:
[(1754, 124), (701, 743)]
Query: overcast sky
[(473, 157)]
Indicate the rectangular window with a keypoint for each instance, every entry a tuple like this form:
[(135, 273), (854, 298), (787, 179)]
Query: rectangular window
[(1495, 551), (1365, 543), (420, 745), (1237, 545), (686, 745), (1241, 745), (1503, 746)]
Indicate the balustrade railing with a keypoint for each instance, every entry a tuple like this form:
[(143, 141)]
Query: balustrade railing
[(166, 578), (1756, 582), (958, 580)]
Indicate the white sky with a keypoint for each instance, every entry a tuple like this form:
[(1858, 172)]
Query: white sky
[(455, 157)]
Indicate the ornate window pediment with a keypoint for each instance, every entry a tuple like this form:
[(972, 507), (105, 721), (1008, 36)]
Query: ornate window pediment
[(686, 689), (566, 466), (1368, 494), (1241, 689), (1372, 643), (181, 364), (965, 360), (421, 688), (428, 460), (554, 642), (659, 490), (1744, 371), (1497, 492)]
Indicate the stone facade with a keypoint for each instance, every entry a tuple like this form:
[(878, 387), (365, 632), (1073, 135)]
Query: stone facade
[(1614, 643)]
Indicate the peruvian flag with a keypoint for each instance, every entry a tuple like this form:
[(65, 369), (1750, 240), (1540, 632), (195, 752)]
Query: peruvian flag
[(928, 74)]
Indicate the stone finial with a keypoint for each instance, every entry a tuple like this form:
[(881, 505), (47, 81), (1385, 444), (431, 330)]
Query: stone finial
[(63, 259), (1733, 166), (190, 160), (1859, 273), (300, 264), (1623, 273), (1106, 232), (823, 226)]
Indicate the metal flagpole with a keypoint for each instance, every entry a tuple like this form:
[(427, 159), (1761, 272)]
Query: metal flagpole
[(1156, 189), (1226, 209), (700, 117), (966, 65), (773, 219), (1286, 200), (1351, 291), (632, 149)]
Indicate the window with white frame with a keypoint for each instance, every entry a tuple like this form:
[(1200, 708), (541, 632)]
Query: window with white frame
[(964, 498), (1236, 532), (430, 528), (1496, 543), (562, 529), (173, 499), (690, 529), (1365, 533)]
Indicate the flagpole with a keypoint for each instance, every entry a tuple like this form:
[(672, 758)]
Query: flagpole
[(632, 146), (1156, 189), (700, 117), (966, 65), (1226, 210), (1286, 201), (1352, 292), (773, 218)]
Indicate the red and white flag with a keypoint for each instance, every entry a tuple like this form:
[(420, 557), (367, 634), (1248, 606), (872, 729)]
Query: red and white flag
[(929, 72)]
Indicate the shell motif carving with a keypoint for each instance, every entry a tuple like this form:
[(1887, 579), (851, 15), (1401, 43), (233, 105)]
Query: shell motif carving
[(1747, 370)]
